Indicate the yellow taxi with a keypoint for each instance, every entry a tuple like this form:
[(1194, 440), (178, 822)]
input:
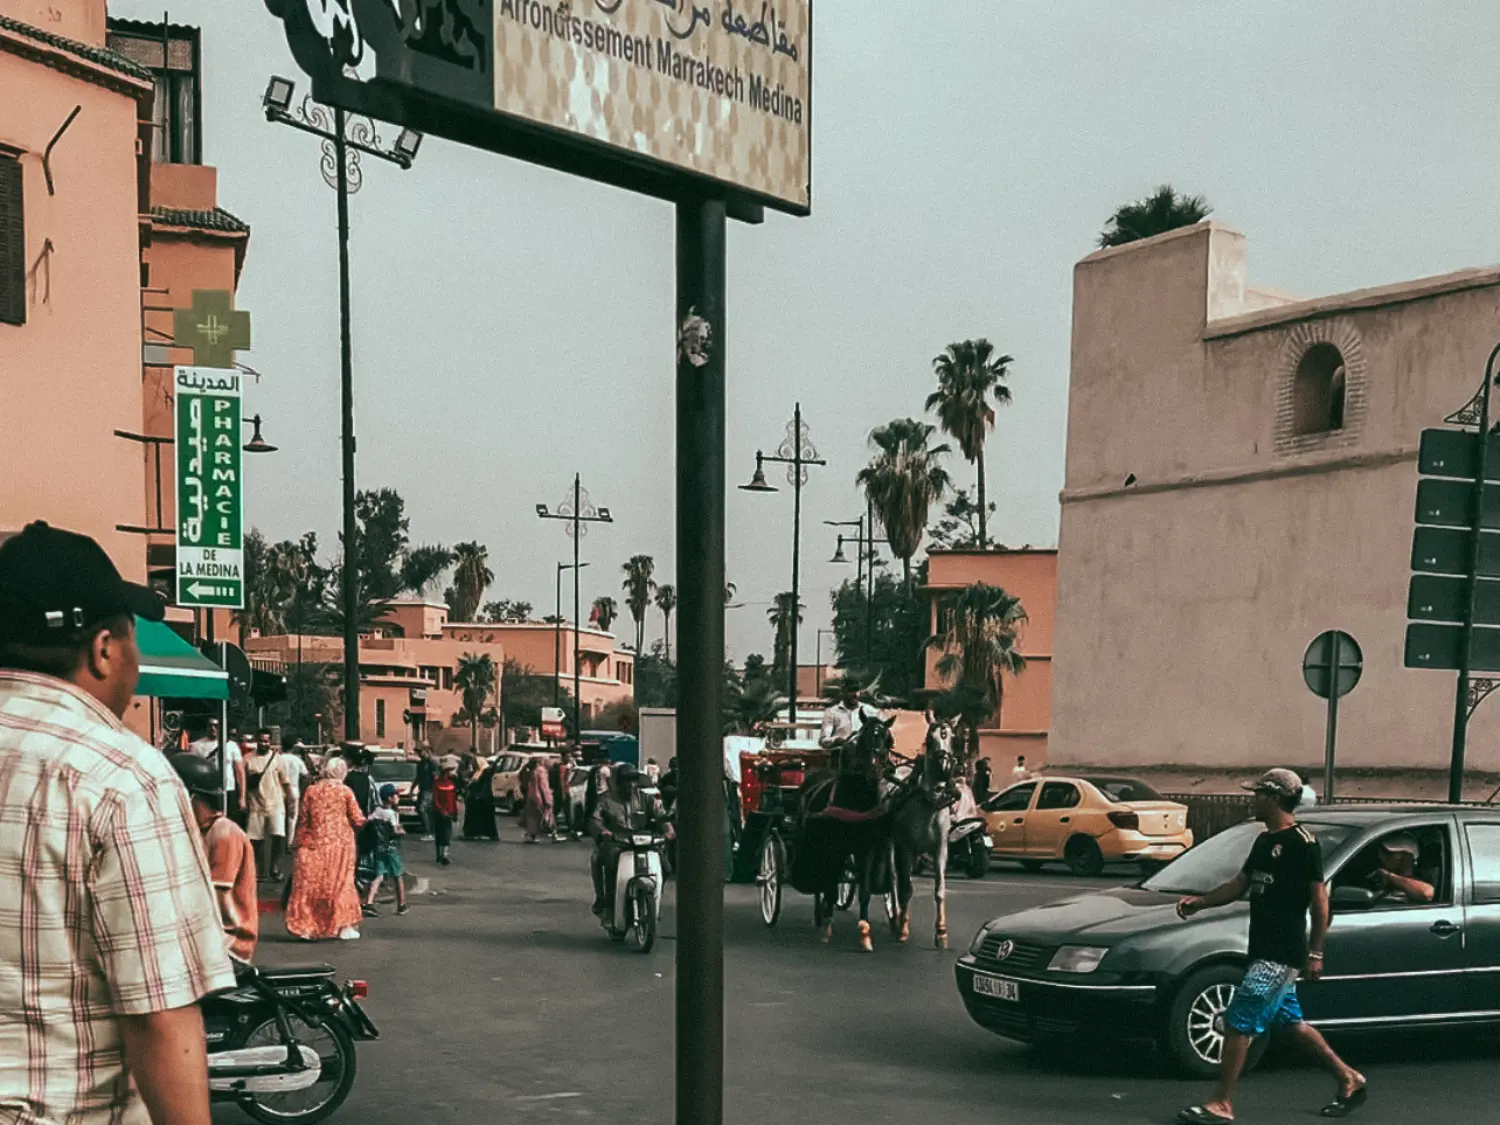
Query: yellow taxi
[(1086, 822)]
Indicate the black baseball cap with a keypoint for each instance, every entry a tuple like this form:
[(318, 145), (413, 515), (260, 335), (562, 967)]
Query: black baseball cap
[(55, 584)]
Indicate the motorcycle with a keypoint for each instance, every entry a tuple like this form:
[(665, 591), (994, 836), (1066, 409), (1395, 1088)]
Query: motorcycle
[(281, 1042), (969, 845), (636, 907)]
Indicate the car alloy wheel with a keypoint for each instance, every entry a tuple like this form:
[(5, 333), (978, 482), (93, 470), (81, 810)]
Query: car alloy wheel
[(1205, 1022)]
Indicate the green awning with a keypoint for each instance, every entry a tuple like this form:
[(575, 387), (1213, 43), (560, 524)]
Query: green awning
[(173, 669)]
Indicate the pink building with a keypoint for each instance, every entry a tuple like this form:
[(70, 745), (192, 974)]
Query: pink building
[(606, 673), (1241, 475)]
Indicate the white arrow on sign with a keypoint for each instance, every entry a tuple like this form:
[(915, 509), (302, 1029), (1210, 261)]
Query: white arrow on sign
[(199, 590)]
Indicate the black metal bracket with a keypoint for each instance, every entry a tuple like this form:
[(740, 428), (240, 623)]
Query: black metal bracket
[(1479, 689), (47, 152), (1469, 414)]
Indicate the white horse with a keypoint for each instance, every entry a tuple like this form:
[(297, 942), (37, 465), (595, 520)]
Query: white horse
[(922, 816)]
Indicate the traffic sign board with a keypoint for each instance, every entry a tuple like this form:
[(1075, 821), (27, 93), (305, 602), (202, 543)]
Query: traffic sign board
[(1455, 453), (1429, 645), (1446, 550), (1436, 597), (210, 528), (1450, 503), (1332, 664)]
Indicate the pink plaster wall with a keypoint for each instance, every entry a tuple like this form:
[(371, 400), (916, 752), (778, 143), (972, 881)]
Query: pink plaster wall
[(82, 20)]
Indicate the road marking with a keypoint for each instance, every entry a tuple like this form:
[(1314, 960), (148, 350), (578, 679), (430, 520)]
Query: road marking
[(547, 1097)]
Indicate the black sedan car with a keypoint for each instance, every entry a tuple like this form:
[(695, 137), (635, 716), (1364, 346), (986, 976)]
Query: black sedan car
[(1121, 964)]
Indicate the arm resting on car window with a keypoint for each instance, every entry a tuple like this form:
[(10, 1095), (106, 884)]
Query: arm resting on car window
[(165, 1054), (1415, 890)]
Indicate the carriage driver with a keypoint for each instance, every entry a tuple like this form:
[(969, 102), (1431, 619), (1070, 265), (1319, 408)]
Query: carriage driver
[(842, 721)]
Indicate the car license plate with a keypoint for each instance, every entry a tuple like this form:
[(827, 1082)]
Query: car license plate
[(997, 987)]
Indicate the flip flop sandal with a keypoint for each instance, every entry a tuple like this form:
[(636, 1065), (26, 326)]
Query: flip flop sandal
[(1345, 1104), (1198, 1115)]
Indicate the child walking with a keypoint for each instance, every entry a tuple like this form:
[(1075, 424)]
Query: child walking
[(445, 808), (384, 827)]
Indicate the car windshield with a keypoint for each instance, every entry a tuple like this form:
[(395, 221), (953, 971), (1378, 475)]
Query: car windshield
[(1122, 789), (392, 770), (1219, 858)]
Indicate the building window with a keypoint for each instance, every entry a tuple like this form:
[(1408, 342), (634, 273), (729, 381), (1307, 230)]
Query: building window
[(172, 54), (380, 718), (12, 243), (447, 679), (623, 672), (1318, 390)]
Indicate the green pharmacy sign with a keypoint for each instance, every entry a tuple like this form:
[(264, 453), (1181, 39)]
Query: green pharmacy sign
[(210, 513)]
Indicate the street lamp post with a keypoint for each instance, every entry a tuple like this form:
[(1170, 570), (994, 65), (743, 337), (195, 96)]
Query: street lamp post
[(864, 574), (343, 141), (557, 634), (797, 452), (821, 633), (579, 511)]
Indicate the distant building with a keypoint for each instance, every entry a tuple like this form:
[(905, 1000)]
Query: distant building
[(606, 673), (1020, 725), (1241, 475)]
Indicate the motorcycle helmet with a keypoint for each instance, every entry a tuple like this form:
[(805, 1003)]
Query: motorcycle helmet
[(626, 774), (201, 776)]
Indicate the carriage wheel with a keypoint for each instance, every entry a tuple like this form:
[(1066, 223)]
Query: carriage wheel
[(847, 886), (768, 878)]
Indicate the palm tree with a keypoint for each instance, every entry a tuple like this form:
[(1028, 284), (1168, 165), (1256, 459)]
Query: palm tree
[(1158, 213), (666, 601), (969, 375), (423, 566), (903, 481), (749, 704), (471, 577), (638, 586), (785, 615), (606, 612), (977, 639), (475, 680), (369, 612)]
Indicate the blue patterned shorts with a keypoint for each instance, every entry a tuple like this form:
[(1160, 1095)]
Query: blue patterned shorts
[(1266, 1000)]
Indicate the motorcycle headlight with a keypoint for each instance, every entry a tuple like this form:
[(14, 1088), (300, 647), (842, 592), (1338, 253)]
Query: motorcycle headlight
[(978, 940), (1076, 959)]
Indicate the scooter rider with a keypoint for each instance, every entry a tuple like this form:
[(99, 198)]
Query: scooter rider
[(621, 810)]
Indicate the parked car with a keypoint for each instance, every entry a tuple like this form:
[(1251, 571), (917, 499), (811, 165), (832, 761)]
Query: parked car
[(1121, 963), (1086, 822)]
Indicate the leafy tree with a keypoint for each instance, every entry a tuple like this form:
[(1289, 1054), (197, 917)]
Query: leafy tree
[(750, 703), (619, 715), (422, 567), (311, 690), (369, 611), (666, 601), (639, 583), (785, 615), (958, 527), (506, 610), (755, 668), (554, 619), (655, 679), (475, 680), (606, 612), (1161, 211), (471, 577), (969, 376), (899, 623), (380, 540), (903, 481), (977, 629), (523, 694)]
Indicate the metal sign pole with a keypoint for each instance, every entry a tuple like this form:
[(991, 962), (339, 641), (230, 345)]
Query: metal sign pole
[(226, 770), (1334, 668), (700, 654)]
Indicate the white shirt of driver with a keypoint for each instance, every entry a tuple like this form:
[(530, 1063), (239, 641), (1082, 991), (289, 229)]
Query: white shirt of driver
[(842, 723)]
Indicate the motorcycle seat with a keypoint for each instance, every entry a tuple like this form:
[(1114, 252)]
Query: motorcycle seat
[(294, 972)]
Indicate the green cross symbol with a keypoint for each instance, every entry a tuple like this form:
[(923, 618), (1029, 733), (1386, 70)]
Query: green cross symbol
[(212, 328)]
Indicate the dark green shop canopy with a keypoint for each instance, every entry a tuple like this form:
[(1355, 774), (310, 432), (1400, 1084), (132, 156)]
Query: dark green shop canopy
[(173, 669)]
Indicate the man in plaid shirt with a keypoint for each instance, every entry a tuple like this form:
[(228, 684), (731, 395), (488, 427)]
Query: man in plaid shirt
[(109, 933)]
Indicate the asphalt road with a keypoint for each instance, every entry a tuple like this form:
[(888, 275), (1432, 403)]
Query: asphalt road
[(500, 999)]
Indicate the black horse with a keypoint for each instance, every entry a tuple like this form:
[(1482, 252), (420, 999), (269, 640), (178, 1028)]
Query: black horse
[(842, 819)]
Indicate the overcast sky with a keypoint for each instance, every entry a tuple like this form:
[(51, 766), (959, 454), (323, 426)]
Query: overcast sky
[(513, 325)]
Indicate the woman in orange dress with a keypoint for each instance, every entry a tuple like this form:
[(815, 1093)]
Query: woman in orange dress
[(324, 903)]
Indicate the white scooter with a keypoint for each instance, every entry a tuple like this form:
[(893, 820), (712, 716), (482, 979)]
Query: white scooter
[(637, 898)]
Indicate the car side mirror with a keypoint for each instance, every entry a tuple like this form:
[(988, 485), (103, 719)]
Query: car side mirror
[(1352, 898)]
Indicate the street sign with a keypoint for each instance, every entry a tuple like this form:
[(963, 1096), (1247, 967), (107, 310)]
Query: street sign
[(1442, 597), (553, 723), (1331, 667), (1450, 503), (1332, 664), (212, 328), (1455, 453), (1430, 645), (1446, 550), (210, 531)]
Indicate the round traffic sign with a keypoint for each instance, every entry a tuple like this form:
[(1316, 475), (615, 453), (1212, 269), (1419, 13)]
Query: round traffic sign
[(1333, 664)]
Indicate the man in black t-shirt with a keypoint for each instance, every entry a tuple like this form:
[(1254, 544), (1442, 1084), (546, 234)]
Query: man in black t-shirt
[(1284, 879)]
